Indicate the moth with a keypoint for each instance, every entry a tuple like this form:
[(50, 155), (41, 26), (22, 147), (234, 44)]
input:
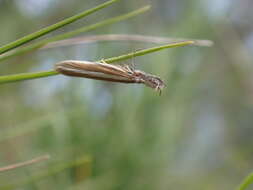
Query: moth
[(107, 72)]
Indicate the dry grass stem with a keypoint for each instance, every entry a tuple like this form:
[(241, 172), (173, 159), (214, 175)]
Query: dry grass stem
[(25, 163), (123, 37)]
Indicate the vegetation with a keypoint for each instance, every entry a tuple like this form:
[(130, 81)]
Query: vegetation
[(73, 133)]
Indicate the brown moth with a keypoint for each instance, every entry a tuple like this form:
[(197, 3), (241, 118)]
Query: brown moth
[(108, 72)]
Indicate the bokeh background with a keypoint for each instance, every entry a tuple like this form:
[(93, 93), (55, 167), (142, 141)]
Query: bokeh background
[(197, 135)]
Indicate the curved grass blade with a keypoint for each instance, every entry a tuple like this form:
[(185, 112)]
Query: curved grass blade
[(42, 43), (51, 28), (246, 182), (146, 51), (29, 76)]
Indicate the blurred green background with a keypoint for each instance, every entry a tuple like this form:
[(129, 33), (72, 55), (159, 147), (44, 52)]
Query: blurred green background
[(197, 135)]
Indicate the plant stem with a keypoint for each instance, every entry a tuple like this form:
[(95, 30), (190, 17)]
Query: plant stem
[(122, 37), (28, 76), (246, 182), (25, 163), (51, 28), (146, 51), (41, 43), (54, 170)]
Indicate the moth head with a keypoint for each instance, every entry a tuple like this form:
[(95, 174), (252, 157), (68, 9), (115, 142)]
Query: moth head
[(149, 80)]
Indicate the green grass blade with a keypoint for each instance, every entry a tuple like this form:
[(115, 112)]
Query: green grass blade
[(246, 182), (41, 43), (146, 51), (28, 76), (51, 28), (102, 23)]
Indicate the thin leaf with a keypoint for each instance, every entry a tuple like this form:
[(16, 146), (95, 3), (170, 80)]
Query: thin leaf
[(146, 51), (42, 43), (55, 169), (123, 37), (246, 182), (25, 163), (28, 76), (51, 28)]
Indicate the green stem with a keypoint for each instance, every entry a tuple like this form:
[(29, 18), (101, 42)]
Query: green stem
[(246, 182), (146, 51), (51, 28), (28, 76), (72, 33)]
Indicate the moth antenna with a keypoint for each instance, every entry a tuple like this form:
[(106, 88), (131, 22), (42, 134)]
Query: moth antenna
[(132, 61)]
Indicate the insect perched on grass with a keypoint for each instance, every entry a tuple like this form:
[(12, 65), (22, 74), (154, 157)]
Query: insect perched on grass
[(107, 72)]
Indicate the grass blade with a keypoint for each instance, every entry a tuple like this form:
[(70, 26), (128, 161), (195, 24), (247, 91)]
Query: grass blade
[(246, 182), (25, 163), (146, 51), (28, 76), (42, 43), (123, 37), (52, 171), (51, 28)]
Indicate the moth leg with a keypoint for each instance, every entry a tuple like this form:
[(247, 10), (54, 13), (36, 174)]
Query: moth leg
[(103, 61), (157, 88), (128, 69)]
